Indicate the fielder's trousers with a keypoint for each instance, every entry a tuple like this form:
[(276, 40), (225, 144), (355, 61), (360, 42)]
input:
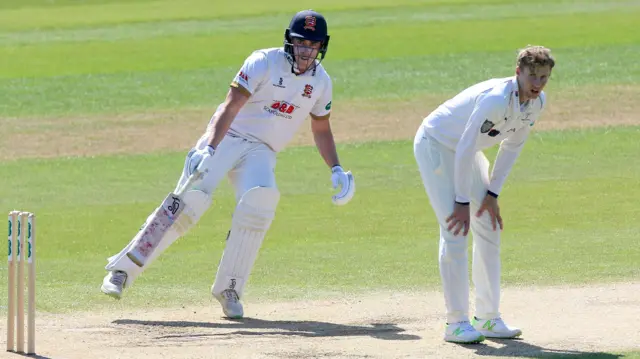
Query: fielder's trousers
[(436, 165)]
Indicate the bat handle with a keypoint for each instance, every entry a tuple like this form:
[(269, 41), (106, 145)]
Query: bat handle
[(196, 175)]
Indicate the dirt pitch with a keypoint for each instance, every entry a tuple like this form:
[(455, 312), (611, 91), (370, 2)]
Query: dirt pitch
[(556, 320)]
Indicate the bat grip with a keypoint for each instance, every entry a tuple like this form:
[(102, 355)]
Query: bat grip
[(196, 175)]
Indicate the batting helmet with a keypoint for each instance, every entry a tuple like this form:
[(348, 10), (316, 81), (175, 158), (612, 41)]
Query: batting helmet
[(307, 25)]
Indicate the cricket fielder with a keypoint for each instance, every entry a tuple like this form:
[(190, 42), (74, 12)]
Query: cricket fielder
[(269, 98), (448, 150)]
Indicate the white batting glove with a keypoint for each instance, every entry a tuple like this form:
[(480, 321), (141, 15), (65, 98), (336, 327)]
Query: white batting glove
[(348, 186), (198, 160)]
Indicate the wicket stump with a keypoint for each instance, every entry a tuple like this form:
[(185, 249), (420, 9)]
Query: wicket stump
[(16, 259)]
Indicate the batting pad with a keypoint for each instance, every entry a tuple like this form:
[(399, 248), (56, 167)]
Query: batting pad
[(197, 203), (251, 220)]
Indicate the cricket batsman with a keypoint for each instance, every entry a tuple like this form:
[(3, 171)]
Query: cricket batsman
[(464, 196), (269, 98)]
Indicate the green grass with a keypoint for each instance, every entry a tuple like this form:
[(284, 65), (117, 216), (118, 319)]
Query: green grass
[(345, 18), (188, 52), (567, 199), (402, 78), (632, 355), (70, 13), (568, 205), (376, 52)]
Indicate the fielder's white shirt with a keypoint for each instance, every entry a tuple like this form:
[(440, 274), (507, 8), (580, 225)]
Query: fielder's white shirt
[(280, 101), (480, 117)]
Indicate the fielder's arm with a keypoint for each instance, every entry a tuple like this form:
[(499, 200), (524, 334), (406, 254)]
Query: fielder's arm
[(466, 148), (236, 98), (508, 152), (323, 137)]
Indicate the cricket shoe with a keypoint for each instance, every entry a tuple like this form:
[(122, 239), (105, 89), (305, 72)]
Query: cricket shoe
[(113, 283), (230, 302), (495, 328), (463, 333)]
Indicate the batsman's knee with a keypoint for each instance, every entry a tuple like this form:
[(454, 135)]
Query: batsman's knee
[(197, 203), (256, 208)]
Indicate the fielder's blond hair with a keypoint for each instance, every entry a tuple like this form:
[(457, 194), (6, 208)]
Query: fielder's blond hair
[(533, 56)]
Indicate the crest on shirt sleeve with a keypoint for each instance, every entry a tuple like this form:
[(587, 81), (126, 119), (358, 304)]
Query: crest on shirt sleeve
[(486, 126)]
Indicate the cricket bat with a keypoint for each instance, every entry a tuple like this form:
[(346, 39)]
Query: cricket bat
[(163, 218)]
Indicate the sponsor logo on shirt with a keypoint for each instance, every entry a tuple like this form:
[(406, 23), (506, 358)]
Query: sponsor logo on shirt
[(281, 109), (243, 76)]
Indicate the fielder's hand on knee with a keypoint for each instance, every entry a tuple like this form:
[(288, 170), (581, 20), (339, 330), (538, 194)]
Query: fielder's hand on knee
[(459, 220), (198, 158), (346, 183), (490, 204)]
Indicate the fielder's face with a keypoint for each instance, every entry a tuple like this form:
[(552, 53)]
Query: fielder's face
[(305, 52), (532, 81)]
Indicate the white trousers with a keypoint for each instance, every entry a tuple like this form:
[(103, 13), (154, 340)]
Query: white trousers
[(436, 165), (247, 164)]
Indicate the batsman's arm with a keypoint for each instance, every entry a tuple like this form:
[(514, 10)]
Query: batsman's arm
[(236, 98), (323, 137), (246, 81)]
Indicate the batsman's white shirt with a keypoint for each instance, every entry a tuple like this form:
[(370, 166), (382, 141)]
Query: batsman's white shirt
[(280, 100), (480, 117)]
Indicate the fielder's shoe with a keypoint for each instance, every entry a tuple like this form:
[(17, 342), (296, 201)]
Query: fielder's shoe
[(463, 333), (495, 328), (113, 283), (230, 302)]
